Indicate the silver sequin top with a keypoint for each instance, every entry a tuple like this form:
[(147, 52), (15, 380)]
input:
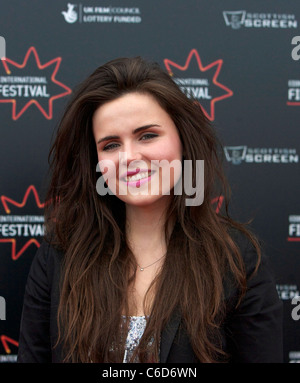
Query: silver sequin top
[(136, 328)]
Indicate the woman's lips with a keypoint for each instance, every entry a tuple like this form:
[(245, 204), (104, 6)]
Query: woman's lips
[(132, 172), (136, 178)]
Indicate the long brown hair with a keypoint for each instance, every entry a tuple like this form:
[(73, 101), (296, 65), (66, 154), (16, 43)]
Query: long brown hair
[(89, 229)]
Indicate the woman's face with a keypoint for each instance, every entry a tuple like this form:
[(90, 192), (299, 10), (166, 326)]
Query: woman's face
[(133, 135)]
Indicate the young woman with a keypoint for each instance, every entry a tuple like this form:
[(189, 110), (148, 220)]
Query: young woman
[(132, 275)]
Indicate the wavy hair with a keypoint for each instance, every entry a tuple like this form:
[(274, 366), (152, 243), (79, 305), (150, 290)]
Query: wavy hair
[(98, 266)]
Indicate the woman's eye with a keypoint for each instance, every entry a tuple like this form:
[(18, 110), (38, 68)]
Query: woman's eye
[(148, 136), (109, 147)]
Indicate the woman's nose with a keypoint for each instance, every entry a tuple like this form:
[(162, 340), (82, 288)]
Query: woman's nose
[(130, 153)]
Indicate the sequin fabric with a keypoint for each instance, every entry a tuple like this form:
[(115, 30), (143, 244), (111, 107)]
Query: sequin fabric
[(136, 328)]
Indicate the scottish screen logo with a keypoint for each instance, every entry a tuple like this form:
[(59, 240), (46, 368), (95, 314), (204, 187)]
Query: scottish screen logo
[(235, 154), (234, 19), (242, 153), (271, 20), (2, 309)]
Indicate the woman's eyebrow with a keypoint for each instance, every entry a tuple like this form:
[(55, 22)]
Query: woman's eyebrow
[(141, 128)]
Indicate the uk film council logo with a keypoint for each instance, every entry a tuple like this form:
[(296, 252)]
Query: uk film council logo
[(85, 13), (70, 15), (234, 19)]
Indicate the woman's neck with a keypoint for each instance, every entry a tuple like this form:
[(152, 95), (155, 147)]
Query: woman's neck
[(145, 228), (145, 233)]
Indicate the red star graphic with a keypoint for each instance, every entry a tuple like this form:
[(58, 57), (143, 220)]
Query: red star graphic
[(31, 189), (5, 340), (7, 63), (218, 64), (219, 202)]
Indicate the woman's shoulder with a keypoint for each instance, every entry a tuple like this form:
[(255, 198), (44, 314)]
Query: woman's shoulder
[(46, 263), (257, 262), (241, 235), (249, 246), (48, 253), (260, 276)]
